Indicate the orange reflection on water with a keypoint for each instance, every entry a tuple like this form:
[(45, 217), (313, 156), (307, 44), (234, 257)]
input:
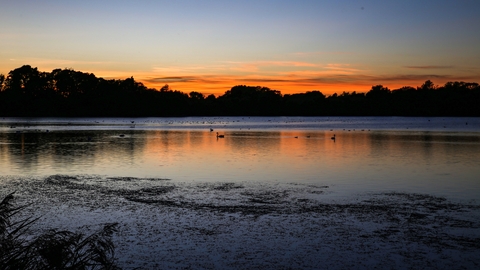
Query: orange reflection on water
[(246, 155), (356, 160)]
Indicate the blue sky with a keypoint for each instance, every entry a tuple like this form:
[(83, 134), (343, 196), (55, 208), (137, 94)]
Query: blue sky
[(209, 46)]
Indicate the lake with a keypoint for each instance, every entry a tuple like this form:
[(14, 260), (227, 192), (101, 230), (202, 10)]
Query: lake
[(273, 193), (433, 155)]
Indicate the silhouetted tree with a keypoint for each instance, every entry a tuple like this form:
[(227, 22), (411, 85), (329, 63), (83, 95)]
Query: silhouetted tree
[(250, 100), (165, 88), (2, 81), (66, 92), (23, 80), (378, 92), (27, 90), (196, 96), (405, 101), (427, 85), (309, 103), (379, 101)]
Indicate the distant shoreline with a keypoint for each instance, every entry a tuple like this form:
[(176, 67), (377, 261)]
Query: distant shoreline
[(309, 123), (29, 92)]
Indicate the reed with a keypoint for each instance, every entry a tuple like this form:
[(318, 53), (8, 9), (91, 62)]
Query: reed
[(53, 249)]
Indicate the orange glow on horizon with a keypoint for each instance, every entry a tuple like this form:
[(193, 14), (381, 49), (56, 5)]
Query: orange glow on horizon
[(218, 85), (219, 89), (287, 87), (326, 83), (216, 80), (336, 79)]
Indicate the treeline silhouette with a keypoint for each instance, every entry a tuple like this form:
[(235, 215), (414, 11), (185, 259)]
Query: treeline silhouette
[(25, 91)]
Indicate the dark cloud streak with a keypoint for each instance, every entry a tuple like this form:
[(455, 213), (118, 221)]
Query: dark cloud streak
[(428, 67)]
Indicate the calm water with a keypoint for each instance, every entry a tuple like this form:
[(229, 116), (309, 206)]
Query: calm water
[(439, 156)]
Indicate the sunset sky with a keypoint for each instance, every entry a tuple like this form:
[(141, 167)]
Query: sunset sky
[(210, 46)]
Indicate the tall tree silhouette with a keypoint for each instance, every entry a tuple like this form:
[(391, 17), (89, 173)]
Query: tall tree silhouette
[(309, 103), (25, 91), (251, 100), (379, 101), (2, 81)]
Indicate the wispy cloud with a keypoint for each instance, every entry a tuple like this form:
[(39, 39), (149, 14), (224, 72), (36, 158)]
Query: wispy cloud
[(256, 66), (428, 67), (286, 76), (326, 82), (61, 62), (172, 79), (342, 69), (290, 77), (206, 79), (189, 69), (320, 53), (276, 63), (412, 77)]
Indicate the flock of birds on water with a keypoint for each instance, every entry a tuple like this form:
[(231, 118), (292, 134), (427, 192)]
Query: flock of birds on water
[(210, 121)]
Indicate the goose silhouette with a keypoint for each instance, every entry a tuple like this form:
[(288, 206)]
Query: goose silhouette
[(220, 136)]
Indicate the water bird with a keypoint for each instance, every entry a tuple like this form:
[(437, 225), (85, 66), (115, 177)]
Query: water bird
[(121, 135), (211, 129), (333, 138), (220, 136)]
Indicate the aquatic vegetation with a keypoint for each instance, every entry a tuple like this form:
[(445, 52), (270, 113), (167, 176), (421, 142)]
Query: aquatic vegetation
[(54, 249)]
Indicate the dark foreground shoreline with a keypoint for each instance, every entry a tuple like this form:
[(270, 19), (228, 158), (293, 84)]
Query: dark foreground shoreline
[(169, 225)]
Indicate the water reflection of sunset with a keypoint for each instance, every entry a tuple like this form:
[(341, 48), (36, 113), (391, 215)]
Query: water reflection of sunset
[(355, 160), (260, 154), (363, 156)]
